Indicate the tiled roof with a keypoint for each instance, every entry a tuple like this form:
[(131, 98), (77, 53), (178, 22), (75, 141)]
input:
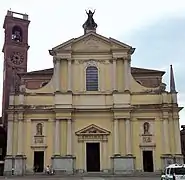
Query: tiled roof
[(134, 70)]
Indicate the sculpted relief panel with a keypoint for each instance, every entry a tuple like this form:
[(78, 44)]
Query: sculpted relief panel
[(91, 44)]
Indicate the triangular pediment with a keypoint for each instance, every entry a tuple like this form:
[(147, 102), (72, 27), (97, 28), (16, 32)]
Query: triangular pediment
[(91, 130), (91, 42)]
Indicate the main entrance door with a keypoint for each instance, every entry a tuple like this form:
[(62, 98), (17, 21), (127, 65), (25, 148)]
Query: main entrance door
[(93, 157), (39, 161), (148, 165)]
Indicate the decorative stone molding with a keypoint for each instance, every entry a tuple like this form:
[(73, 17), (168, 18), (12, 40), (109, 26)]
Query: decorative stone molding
[(38, 139), (92, 132), (93, 62)]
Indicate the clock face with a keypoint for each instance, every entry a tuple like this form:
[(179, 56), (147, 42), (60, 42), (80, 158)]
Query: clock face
[(17, 58)]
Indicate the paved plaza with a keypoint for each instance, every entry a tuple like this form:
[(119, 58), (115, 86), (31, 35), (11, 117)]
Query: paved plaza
[(83, 178)]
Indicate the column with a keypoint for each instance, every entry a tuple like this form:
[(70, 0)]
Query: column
[(128, 137), (57, 135), (114, 79), (69, 136), (116, 137), (177, 136), (57, 74), (166, 136), (20, 137), (10, 137), (104, 153), (69, 75), (126, 80)]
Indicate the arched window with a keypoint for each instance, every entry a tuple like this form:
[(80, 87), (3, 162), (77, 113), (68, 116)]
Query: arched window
[(92, 78), (17, 34)]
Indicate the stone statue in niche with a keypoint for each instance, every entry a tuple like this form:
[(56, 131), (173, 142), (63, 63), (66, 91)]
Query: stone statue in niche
[(146, 128), (39, 129)]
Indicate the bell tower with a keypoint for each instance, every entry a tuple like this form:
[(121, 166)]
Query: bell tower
[(15, 50)]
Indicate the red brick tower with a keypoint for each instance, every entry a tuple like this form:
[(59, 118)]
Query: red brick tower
[(15, 55)]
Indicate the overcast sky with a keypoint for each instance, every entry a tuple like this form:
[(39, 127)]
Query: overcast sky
[(156, 28)]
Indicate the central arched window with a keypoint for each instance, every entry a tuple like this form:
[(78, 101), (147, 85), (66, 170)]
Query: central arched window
[(92, 78)]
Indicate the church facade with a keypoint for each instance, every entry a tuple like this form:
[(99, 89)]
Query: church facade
[(91, 112)]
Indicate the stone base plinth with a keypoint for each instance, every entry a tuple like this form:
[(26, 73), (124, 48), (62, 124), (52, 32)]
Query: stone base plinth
[(167, 159), (63, 164), (123, 164), (8, 165), (179, 159), (20, 165)]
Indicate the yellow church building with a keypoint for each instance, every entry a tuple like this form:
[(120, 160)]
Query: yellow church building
[(92, 112)]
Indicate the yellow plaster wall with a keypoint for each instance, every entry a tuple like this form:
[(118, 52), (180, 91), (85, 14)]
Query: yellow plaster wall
[(30, 122), (108, 77), (146, 99), (159, 143), (82, 120), (39, 100)]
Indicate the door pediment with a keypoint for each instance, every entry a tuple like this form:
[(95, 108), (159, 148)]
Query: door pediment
[(92, 130)]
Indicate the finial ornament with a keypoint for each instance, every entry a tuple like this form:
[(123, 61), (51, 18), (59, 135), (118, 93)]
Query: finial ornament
[(90, 23)]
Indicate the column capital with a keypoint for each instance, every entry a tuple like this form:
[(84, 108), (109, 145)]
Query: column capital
[(56, 59), (20, 119), (127, 118), (165, 118), (116, 119), (70, 59)]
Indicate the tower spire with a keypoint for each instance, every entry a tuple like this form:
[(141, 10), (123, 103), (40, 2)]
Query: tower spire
[(172, 81)]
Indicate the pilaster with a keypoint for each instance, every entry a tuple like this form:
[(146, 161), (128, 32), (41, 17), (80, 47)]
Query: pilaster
[(126, 86), (114, 76), (177, 136), (10, 136), (116, 137), (63, 164), (166, 135), (9, 156), (69, 137), (69, 75), (57, 138), (57, 72), (20, 137), (128, 136)]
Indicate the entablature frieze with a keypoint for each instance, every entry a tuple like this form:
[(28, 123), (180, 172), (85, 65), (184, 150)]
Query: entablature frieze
[(93, 62), (146, 119), (92, 137)]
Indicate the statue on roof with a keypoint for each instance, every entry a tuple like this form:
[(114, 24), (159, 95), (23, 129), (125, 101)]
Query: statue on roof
[(90, 23)]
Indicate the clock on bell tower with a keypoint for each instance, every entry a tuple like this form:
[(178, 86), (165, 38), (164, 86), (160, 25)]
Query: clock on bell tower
[(15, 55)]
